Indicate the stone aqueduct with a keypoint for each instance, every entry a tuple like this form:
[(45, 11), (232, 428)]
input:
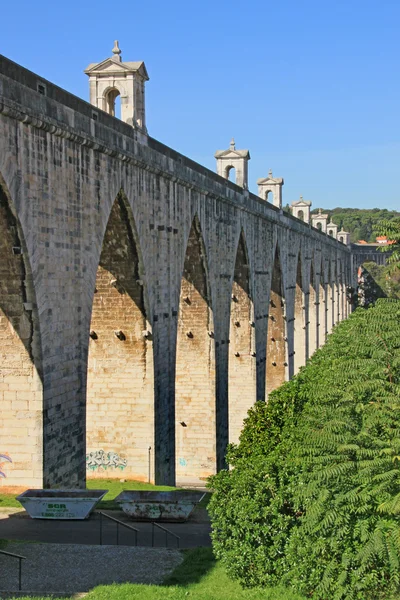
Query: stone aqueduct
[(145, 301)]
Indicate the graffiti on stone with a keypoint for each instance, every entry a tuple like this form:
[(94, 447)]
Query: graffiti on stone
[(3, 459), (105, 460)]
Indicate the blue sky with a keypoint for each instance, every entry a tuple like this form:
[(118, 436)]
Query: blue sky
[(310, 87)]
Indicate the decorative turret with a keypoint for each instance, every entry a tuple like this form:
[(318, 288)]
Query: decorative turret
[(301, 209), (270, 189), (344, 237), (233, 159), (332, 229), (320, 220), (112, 78)]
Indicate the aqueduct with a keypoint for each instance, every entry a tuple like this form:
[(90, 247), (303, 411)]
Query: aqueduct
[(145, 301)]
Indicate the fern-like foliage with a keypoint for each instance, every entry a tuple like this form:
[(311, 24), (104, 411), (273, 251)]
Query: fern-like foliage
[(313, 498)]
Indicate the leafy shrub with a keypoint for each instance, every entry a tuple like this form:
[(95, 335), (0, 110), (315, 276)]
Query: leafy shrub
[(312, 499)]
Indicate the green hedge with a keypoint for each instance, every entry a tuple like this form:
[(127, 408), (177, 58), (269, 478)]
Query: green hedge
[(312, 499)]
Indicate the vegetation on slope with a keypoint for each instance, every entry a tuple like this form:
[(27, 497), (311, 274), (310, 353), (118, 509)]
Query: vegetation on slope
[(360, 223), (313, 500)]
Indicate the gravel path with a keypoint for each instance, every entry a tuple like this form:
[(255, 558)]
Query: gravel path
[(78, 568)]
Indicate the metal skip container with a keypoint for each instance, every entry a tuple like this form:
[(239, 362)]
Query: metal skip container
[(159, 506), (60, 504)]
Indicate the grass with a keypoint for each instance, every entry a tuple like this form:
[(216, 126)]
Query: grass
[(8, 500), (199, 577), (114, 487)]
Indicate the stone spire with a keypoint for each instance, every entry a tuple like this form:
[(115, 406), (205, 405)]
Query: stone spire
[(117, 52)]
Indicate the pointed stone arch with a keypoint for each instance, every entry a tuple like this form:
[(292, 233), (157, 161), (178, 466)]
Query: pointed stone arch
[(300, 327), (21, 381), (340, 290), (242, 364), (313, 312), (195, 417), (330, 299), (276, 355), (120, 382)]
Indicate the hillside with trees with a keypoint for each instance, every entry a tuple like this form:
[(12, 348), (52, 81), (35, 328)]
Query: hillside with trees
[(360, 223)]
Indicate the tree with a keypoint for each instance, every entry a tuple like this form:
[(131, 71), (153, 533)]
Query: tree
[(313, 500), (391, 229)]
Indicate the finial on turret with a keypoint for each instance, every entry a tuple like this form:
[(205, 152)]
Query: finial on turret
[(232, 146), (301, 198), (270, 174), (116, 51)]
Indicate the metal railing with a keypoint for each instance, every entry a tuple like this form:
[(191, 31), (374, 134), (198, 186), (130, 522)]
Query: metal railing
[(136, 531), (118, 522), (167, 532), (20, 558)]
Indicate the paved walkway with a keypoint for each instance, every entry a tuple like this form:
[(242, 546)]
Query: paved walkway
[(70, 568), (18, 526)]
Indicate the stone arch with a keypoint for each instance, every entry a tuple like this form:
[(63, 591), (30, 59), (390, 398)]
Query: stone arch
[(330, 306), (195, 417), (21, 379), (324, 299), (313, 312), (276, 355), (229, 169), (319, 226), (242, 364), (300, 215), (300, 327), (120, 381), (110, 96)]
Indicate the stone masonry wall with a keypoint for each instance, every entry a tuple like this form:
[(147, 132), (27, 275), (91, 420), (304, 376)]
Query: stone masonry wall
[(195, 370), (242, 357), (120, 397), (21, 427), (62, 171)]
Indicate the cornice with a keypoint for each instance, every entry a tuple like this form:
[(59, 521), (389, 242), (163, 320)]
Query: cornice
[(15, 111)]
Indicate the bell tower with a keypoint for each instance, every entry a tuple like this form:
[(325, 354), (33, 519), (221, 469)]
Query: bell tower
[(112, 78)]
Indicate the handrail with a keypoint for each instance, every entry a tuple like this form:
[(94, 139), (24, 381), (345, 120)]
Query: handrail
[(20, 558), (167, 531), (118, 522)]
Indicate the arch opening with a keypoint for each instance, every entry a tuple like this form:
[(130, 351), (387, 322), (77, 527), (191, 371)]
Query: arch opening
[(269, 196), (313, 314), (113, 102), (300, 327), (230, 173), (276, 355), (319, 226), (21, 388), (330, 232), (242, 368), (120, 380), (330, 304), (195, 419), (300, 215)]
